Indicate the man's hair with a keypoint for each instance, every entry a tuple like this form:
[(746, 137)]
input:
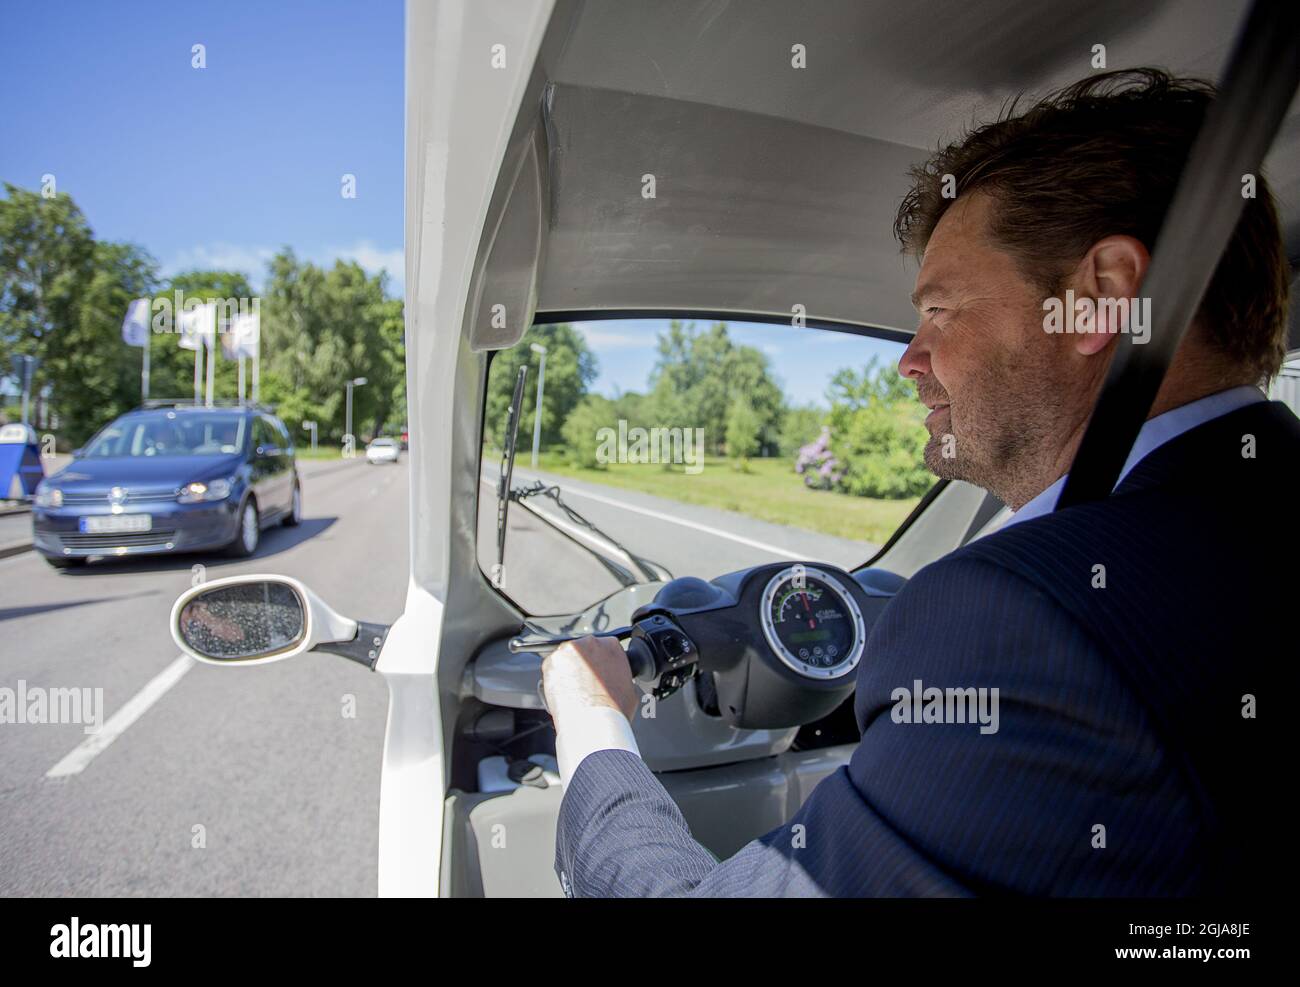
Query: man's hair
[(1098, 158)]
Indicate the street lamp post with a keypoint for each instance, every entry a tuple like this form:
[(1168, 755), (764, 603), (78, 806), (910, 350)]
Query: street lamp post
[(347, 427), (537, 418)]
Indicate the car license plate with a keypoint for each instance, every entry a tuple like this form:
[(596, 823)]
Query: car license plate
[(115, 524)]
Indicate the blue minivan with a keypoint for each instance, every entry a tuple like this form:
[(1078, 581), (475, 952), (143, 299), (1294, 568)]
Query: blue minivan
[(174, 478)]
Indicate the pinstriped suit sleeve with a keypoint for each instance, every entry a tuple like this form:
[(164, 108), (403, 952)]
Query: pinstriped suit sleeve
[(927, 808)]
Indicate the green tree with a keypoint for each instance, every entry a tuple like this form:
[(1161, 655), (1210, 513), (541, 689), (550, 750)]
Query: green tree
[(799, 426), (322, 328), (878, 433), (47, 254), (570, 370), (699, 374), (581, 430), (95, 375), (743, 428), (62, 299)]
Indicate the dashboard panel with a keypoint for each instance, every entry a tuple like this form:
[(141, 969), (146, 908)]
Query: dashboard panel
[(770, 648)]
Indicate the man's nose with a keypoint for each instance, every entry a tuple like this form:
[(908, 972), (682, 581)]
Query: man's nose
[(915, 361)]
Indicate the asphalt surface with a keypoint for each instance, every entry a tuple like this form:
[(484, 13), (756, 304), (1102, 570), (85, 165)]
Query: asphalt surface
[(283, 784), (15, 531), (256, 781), (546, 573)]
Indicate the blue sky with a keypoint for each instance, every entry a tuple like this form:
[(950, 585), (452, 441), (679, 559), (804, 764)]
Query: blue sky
[(221, 166), (216, 167)]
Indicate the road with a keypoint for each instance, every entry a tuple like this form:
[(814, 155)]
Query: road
[(282, 786), (545, 574), (253, 781)]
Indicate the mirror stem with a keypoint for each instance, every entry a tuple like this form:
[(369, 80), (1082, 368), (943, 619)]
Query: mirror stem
[(364, 648)]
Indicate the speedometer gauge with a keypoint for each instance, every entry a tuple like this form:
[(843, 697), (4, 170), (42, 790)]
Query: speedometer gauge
[(812, 622)]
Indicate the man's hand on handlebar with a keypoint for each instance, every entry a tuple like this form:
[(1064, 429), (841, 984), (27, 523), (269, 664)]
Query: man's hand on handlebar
[(588, 673)]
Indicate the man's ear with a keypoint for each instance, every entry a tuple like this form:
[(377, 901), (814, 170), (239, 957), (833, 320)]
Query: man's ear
[(1112, 271)]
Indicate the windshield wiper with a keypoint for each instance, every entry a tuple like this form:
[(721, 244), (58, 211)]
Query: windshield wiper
[(650, 570), (507, 470)]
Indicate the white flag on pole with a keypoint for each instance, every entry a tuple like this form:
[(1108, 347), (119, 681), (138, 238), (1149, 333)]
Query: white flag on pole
[(135, 327), (198, 326), (243, 336)]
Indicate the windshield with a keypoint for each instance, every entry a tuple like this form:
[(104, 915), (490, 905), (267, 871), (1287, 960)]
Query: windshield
[(170, 433), (671, 447)]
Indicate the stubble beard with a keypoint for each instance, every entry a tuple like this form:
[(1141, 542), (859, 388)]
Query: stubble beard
[(999, 434)]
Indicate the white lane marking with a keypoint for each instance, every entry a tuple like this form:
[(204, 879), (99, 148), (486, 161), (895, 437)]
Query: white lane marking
[(716, 532), (85, 752)]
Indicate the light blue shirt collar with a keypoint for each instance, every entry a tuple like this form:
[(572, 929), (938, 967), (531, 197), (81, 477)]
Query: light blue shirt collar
[(1155, 433)]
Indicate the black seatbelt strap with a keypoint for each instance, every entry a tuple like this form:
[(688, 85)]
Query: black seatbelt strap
[(1258, 86)]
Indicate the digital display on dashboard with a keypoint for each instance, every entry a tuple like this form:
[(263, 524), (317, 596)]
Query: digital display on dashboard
[(803, 637)]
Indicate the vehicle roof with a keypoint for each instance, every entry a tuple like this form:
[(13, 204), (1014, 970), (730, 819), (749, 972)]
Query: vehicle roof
[(777, 186), (190, 409)]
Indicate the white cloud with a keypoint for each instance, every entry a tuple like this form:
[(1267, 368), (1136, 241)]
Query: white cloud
[(220, 257), (252, 260), (608, 339), (373, 259)]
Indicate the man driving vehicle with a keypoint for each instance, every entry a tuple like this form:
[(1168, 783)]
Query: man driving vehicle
[(1128, 639)]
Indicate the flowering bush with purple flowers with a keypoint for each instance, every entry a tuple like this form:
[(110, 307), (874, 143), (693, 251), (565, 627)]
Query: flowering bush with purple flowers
[(880, 438), (817, 464)]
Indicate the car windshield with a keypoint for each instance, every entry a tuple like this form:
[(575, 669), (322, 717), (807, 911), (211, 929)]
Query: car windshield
[(383, 442), (170, 433), (672, 447)]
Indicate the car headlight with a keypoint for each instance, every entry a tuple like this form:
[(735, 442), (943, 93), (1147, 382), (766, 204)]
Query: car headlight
[(47, 496), (205, 490)]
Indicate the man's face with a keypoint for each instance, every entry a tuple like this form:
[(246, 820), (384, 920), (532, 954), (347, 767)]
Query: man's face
[(982, 361)]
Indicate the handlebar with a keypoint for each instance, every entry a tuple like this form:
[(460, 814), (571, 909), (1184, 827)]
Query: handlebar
[(657, 649)]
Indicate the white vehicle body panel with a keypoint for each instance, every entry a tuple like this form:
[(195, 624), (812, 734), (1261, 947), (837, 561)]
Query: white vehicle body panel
[(459, 113)]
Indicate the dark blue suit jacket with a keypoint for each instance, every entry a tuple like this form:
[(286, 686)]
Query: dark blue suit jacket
[(1120, 706)]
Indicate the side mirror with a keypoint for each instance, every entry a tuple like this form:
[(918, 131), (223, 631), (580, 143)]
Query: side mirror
[(254, 619)]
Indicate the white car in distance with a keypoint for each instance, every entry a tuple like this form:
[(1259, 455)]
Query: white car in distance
[(383, 450)]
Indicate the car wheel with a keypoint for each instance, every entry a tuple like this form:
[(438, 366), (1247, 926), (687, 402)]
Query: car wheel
[(64, 562), (248, 533), (295, 508)]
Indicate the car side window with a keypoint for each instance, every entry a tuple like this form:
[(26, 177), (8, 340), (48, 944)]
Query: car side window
[(264, 435), (286, 443)]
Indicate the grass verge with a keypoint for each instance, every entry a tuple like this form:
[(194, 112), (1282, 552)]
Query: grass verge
[(769, 490)]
